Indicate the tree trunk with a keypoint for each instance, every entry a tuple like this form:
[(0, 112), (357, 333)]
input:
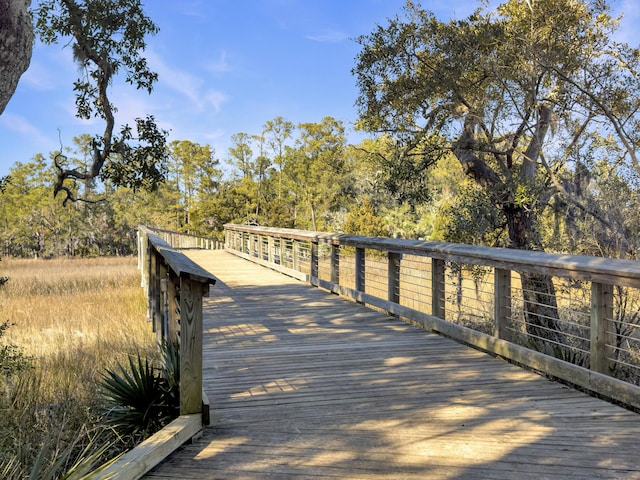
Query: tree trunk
[(539, 294), (16, 44)]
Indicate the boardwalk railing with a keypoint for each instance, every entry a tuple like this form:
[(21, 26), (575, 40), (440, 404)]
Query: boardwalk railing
[(182, 240), (585, 329), (175, 286)]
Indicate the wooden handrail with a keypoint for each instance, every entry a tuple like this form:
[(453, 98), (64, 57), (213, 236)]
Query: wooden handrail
[(183, 240), (359, 277), (614, 271), (175, 286)]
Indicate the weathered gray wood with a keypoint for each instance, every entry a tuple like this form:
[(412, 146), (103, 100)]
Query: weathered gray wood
[(605, 270), (175, 286), (135, 463), (393, 277), (307, 385), (190, 346), (179, 263), (359, 269), (314, 259), (172, 331), (163, 325), (335, 263), (295, 251), (185, 240), (593, 381), (437, 288), (602, 329), (502, 301), (155, 294)]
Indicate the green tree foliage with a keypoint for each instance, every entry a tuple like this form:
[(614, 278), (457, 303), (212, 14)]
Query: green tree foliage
[(194, 172), (315, 167), (33, 224), (107, 39), (513, 94), (276, 133), (364, 220), (240, 154)]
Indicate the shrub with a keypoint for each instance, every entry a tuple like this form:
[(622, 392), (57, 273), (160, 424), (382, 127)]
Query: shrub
[(141, 399)]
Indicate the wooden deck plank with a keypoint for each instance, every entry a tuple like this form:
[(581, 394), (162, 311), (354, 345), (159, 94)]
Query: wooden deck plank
[(303, 384)]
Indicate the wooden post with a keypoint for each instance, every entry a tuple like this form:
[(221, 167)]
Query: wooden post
[(393, 276), (295, 251), (314, 259), (155, 309), (172, 332), (281, 250), (437, 288), (335, 264), (602, 336), (164, 290), (190, 346), (360, 269), (270, 249), (501, 301), (144, 253), (260, 248)]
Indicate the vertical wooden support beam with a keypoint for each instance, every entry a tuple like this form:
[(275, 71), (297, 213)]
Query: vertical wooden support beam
[(295, 251), (155, 309), (360, 269), (161, 333), (437, 288), (335, 264), (143, 254), (393, 276), (271, 248), (602, 332), (501, 301), (280, 251), (190, 346), (139, 239), (172, 332), (260, 248), (313, 268)]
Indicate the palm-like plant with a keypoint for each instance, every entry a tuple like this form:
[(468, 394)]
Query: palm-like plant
[(141, 399)]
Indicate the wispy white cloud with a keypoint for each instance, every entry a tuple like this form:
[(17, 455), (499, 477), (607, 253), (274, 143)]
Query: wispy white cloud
[(220, 65), (330, 36), (22, 127), (38, 77), (186, 84)]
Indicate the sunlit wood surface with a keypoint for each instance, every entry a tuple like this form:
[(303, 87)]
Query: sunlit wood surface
[(303, 384)]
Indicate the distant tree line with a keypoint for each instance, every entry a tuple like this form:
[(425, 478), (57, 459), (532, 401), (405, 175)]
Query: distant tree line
[(513, 127), (300, 176)]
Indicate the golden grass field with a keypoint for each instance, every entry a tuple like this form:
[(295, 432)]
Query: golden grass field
[(73, 317)]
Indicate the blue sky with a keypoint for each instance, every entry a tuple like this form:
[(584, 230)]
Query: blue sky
[(225, 66)]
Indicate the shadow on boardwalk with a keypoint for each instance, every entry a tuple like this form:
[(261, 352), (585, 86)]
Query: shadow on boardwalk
[(304, 384)]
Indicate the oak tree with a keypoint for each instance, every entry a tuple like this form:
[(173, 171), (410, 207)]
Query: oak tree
[(107, 38), (514, 94)]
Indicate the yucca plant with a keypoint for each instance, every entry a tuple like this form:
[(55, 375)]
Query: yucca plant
[(141, 399)]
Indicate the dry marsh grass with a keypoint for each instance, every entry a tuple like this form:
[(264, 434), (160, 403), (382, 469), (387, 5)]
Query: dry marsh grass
[(73, 317)]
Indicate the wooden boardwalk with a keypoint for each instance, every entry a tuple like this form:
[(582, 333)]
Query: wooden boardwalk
[(303, 384)]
